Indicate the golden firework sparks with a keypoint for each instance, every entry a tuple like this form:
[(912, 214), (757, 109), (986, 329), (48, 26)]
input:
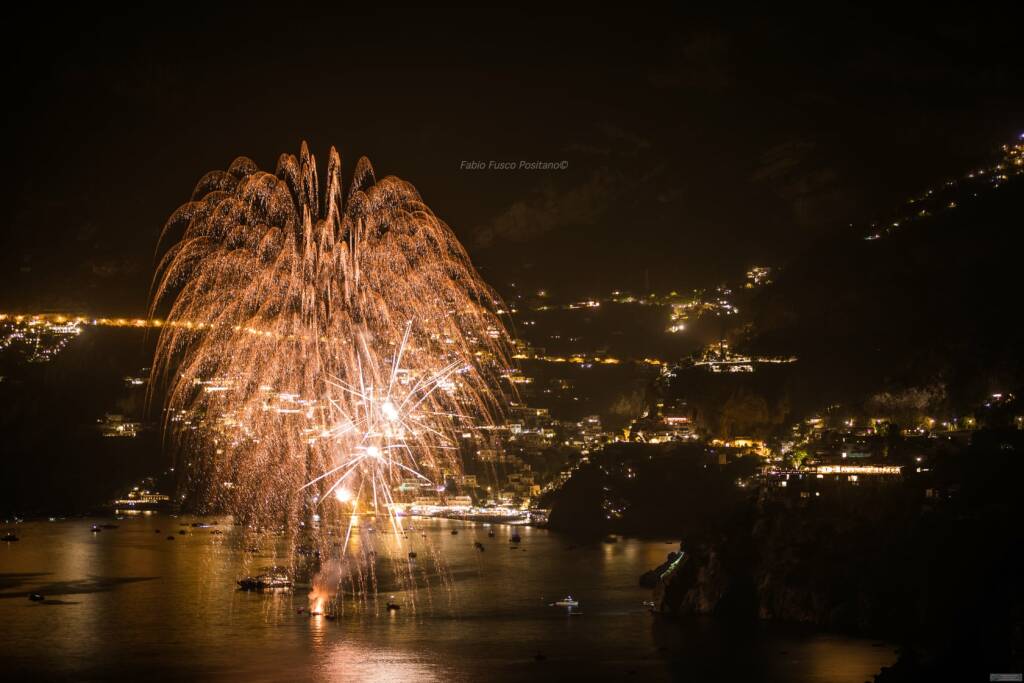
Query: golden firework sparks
[(317, 350)]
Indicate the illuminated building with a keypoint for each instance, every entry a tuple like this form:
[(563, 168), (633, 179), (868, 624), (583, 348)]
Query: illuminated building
[(664, 425), (114, 425), (139, 498)]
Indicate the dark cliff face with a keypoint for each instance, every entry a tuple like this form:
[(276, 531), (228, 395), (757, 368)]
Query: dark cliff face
[(940, 577), (812, 564), (697, 584)]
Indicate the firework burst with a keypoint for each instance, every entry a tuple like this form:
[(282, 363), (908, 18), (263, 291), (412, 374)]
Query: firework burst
[(317, 351)]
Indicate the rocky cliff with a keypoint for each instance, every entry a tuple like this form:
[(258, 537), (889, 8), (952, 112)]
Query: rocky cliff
[(941, 578)]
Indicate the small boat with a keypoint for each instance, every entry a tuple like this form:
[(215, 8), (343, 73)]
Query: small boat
[(182, 532), (479, 546), (567, 601), (272, 580), (156, 531), (412, 555), (96, 528), (36, 597), (490, 534), (649, 604), (455, 532), (11, 537), (170, 538), (515, 537), (394, 607), (216, 532)]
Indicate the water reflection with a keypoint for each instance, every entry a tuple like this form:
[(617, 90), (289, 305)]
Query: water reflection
[(350, 661), (90, 584), (128, 599)]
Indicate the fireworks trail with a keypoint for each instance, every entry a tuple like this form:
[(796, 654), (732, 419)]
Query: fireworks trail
[(318, 349)]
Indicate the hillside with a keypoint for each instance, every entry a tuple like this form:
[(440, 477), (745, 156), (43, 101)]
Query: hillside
[(933, 303)]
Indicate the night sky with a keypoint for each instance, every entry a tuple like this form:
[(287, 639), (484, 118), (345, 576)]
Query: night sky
[(697, 145)]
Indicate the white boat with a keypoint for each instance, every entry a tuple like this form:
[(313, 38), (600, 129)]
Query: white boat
[(567, 601)]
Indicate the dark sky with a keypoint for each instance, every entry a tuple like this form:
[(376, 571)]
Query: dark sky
[(696, 144)]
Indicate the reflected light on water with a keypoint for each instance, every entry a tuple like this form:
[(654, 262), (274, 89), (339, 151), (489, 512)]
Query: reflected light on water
[(346, 661), (127, 599)]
